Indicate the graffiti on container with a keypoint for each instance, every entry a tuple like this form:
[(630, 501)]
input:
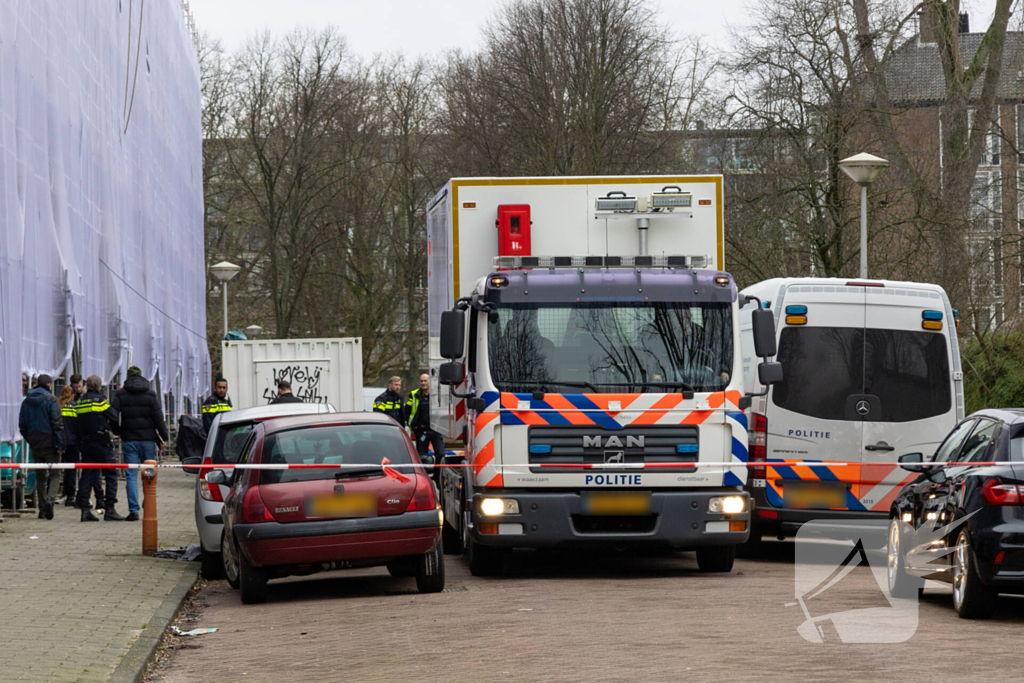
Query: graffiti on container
[(305, 381)]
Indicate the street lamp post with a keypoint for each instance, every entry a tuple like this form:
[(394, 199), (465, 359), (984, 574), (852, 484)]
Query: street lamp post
[(225, 272), (253, 331), (863, 169)]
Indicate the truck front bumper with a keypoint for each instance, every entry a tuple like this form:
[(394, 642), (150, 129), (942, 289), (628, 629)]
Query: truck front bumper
[(678, 520)]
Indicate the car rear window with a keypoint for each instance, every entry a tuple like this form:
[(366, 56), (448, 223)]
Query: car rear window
[(821, 366), (366, 444), (230, 439)]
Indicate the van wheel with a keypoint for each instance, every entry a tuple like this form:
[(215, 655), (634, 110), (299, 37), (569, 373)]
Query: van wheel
[(402, 568), (483, 561), (212, 565), (229, 560), (971, 598), (253, 582), (430, 571), (451, 539), (753, 548), (718, 558), (901, 584)]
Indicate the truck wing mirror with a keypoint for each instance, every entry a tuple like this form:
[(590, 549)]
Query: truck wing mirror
[(769, 373), (453, 334), (451, 374), (764, 333)]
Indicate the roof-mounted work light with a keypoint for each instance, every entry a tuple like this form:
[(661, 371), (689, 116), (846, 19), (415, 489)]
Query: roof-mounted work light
[(671, 197), (616, 201)]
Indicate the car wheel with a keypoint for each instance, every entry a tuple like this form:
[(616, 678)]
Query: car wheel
[(901, 584), (253, 582), (402, 568), (717, 558), (430, 571), (971, 598), (229, 560), (451, 539), (212, 565), (483, 561)]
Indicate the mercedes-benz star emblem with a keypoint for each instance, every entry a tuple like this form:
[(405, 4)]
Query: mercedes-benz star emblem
[(863, 408)]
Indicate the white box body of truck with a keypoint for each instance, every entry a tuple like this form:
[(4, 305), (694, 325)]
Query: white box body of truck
[(319, 370), (600, 360)]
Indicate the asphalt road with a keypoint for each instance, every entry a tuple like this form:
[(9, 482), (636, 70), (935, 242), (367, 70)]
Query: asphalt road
[(585, 617)]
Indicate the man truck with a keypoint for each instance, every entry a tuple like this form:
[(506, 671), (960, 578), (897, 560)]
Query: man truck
[(584, 349)]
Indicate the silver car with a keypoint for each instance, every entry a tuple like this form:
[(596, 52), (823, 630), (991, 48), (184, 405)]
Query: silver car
[(228, 434)]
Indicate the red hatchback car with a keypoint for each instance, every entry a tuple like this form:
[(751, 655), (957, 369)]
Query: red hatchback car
[(281, 522)]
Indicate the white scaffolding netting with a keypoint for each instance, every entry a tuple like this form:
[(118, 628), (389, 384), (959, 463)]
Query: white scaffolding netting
[(101, 228)]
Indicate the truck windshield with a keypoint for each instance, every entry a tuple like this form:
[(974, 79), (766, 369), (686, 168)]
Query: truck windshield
[(611, 347)]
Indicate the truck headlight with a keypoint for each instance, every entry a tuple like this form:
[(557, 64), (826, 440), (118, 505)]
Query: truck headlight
[(729, 505), (492, 507)]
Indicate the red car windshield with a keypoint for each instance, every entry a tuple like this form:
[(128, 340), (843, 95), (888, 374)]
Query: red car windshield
[(356, 444)]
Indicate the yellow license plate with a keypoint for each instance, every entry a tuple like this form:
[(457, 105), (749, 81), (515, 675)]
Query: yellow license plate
[(343, 505), (616, 503), (814, 496)]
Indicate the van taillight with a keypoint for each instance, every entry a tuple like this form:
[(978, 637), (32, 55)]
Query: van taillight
[(758, 441), (423, 498), (253, 509)]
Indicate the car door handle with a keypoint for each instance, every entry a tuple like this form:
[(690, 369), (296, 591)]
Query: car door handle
[(879, 447)]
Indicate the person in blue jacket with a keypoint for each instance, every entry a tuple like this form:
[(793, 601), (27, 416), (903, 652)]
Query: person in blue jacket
[(41, 424)]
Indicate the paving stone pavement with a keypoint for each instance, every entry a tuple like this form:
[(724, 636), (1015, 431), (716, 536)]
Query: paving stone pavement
[(74, 599)]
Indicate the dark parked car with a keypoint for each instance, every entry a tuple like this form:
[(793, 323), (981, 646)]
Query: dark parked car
[(281, 522), (964, 524)]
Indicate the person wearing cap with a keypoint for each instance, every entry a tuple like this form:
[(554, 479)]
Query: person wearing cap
[(141, 419), (284, 393), (41, 424), (94, 420)]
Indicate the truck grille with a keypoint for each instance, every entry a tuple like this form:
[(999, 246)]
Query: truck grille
[(629, 446)]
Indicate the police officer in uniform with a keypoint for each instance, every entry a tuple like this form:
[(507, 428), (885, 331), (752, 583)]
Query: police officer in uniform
[(94, 420), (218, 402), (390, 402), (418, 412)]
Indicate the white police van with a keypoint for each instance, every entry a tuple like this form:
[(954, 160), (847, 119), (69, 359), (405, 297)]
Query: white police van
[(871, 370)]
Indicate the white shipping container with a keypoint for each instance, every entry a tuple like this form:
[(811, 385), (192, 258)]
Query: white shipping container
[(319, 370)]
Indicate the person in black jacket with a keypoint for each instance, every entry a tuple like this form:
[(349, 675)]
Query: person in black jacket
[(284, 393), (390, 402), (42, 426), (94, 420), (142, 423), (218, 402)]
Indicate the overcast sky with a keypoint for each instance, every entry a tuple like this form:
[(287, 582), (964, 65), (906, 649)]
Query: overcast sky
[(422, 27)]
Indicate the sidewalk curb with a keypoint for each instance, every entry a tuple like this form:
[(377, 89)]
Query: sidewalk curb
[(133, 665)]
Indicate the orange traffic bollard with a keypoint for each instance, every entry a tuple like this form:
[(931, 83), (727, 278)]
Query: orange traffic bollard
[(149, 507)]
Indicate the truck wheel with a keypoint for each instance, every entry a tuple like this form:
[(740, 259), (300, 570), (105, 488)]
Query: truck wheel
[(402, 568), (430, 571), (253, 582), (483, 561), (451, 539), (212, 565), (717, 558)]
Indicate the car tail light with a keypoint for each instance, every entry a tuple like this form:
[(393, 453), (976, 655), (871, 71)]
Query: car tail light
[(208, 491), (758, 441), (423, 498), (998, 493), (253, 509)]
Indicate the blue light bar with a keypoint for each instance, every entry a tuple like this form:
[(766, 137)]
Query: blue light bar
[(686, 448), (542, 448), (796, 310), (932, 315)]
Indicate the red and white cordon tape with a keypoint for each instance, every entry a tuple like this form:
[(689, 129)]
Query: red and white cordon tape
[(386, 463)]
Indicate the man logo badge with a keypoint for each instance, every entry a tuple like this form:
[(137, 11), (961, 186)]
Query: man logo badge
[(613, 442), (863, 408)]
